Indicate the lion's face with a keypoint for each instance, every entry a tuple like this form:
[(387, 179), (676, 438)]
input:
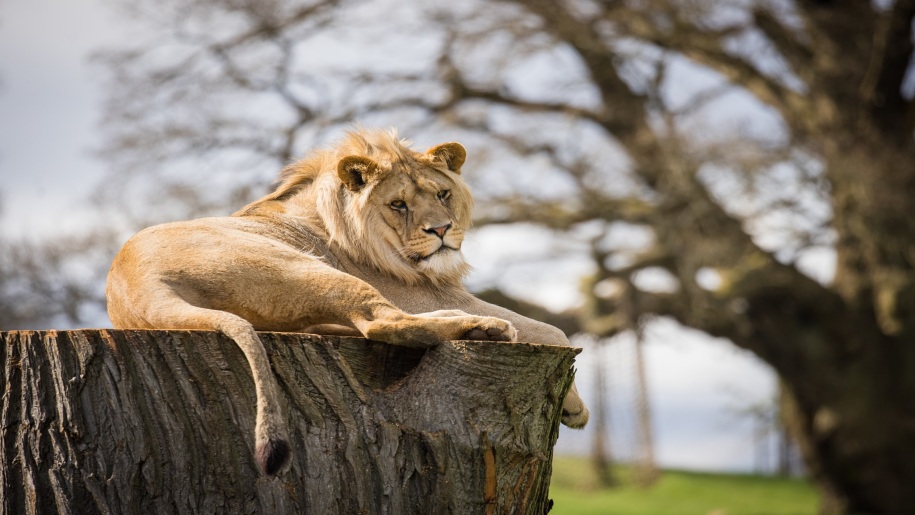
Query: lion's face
[(421, 219), (413, 210)]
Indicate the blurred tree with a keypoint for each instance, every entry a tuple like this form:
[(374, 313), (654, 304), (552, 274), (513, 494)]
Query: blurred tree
[(53, 283), (715, 154), (769, 434)]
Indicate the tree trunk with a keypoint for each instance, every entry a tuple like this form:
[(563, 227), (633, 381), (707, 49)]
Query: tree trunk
[(854, 387), (104, 421), (601, 456), (851, 391)]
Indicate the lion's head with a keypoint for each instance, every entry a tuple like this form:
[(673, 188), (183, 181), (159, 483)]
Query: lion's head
[(401, 211)]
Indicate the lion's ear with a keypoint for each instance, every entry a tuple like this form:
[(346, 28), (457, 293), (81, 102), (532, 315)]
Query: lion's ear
[(356, 171), (452, 154)]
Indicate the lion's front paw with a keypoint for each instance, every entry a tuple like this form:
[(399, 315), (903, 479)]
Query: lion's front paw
[(494, 330), (574, 412), (576, 420)]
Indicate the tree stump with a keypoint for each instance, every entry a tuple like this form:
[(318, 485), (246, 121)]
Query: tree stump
[(105, 421)]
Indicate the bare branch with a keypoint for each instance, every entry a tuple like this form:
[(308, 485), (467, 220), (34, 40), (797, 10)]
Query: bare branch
[(792, 45), (708, 50), (585, 37), (891, 54), (269, 28), (563, 215)]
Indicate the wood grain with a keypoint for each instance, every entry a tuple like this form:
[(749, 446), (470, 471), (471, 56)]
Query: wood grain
[(105, 421)]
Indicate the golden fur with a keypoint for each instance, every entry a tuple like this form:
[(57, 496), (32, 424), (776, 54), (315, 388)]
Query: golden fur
[(362, 238)]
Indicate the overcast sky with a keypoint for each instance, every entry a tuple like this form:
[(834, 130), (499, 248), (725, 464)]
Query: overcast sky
[(49, 110), (49, 115)]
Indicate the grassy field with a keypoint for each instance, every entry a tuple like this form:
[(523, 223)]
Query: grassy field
[(574, 492)]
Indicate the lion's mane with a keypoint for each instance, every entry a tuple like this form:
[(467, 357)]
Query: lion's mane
[(351, 222)]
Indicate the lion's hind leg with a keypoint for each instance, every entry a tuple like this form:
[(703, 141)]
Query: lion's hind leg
[(270, 437)]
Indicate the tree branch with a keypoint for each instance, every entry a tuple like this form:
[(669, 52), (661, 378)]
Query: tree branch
[(585, 38), (838, 31), (708, 52), (891, 53), (462, 91), (789, 43), (268, 29), (563, 215)]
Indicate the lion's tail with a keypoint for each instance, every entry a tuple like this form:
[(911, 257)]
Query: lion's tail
[(166, 309), (271, 442), (147, 301)]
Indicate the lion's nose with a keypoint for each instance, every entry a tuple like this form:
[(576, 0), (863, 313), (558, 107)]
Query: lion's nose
[(439, 230)]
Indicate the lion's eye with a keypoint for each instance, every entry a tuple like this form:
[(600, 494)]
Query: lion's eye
[(444, 194), (399, 205)]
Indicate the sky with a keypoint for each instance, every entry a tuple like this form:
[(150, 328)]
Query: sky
[(50, 113)]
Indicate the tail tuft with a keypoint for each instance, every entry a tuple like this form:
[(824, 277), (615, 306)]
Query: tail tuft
[(271, 456)]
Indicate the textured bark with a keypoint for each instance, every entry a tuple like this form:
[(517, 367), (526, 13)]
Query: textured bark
[(104, 421)]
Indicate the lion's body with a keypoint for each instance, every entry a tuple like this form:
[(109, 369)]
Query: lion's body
[(359, 238)]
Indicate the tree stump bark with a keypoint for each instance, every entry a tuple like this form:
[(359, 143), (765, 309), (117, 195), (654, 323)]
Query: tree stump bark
[(105, 421)]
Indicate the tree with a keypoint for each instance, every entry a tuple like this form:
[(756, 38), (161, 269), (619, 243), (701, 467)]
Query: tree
[(769, 433), (626, 112), (103, 421), (53, 282)]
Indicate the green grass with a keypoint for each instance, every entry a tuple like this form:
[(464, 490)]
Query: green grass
[(574, 491)]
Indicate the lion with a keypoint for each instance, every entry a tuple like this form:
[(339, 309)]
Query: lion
[(362, 238)]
